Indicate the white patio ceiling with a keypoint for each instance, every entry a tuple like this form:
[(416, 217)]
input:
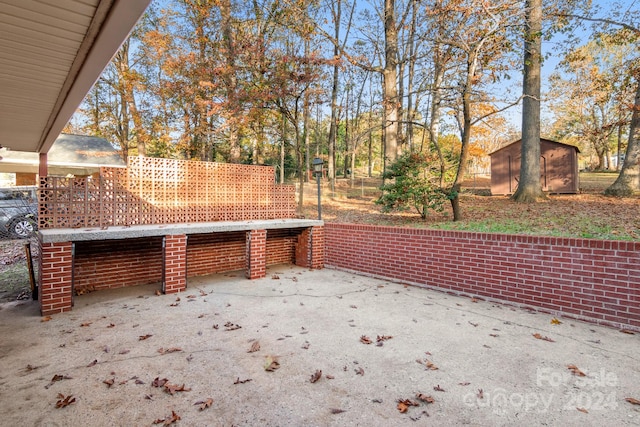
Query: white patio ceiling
[(51, 54)]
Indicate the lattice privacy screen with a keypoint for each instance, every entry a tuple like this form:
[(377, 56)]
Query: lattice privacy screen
[(165, 191)]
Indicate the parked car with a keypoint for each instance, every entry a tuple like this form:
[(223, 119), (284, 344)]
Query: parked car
[(18, 211)]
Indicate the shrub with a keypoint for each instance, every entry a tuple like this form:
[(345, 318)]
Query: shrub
[(412, 181)]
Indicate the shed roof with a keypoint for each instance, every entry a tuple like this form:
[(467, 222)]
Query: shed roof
[(541, 139), (70, 154)]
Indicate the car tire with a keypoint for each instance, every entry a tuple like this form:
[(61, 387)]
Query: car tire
[(23, 228)]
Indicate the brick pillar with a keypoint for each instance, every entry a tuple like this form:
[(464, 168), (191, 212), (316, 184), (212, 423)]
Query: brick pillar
[(55, 277), (316, 256), (175, 263), (310, 248), (256, 254)]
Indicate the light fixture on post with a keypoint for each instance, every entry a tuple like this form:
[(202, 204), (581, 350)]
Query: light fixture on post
[(318, 163)]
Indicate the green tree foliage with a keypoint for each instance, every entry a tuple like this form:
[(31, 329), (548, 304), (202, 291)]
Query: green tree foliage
[(412, 181)]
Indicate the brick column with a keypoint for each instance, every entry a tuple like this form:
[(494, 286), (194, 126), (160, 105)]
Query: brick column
[(175, 263), (55, 277), (310, 248), (256, 254)]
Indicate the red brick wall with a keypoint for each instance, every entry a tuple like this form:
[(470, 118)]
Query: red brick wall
[(256, 254), (55, 278), (175, 259), (588, 279), (281, 245), (215, 253), (105, 264)]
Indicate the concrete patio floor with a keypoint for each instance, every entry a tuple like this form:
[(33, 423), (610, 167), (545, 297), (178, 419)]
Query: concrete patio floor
[(479, 362)]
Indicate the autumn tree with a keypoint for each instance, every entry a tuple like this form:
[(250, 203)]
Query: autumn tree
[(480, 45), (624, 22), (590, 94)]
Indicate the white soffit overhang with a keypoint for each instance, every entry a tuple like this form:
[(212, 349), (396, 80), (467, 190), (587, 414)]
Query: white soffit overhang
[(51, 54)]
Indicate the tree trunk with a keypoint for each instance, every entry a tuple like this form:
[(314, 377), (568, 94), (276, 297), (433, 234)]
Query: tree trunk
[(628, 181), (333, 125), (529, 187), (390, 85)]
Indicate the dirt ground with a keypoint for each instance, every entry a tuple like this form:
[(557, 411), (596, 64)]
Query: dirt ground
[(131, 357)]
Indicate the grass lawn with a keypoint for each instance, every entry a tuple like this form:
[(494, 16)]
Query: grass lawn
[(588, 215)]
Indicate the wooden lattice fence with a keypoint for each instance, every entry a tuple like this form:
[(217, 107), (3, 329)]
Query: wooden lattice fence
[(165, 191)]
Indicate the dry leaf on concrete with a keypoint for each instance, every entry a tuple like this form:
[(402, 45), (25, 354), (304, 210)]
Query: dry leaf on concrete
[(316, 376), (574, 369)]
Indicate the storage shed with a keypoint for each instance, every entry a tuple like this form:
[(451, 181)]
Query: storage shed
[(558, 168)]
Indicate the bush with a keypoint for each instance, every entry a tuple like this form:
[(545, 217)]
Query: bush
[(412, 181)]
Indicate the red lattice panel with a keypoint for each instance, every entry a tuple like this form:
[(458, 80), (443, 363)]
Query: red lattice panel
[(165, 191)]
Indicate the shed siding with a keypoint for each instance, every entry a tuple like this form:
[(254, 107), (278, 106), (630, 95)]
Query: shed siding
[(558, 168)]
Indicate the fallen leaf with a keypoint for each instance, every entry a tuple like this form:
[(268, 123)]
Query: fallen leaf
[(474, 300), (425, 398), (353, 306), (381, 338), (464, 383), (203, 293), (494, 335), (480, 394), (109, 382), (337, 411), (254, 347), (158, 293), (574, 369), (144, 337), (438, 388), (204, 404), (271, 363), (239, 381), (540, 337), (275, 277), (582, 410), (365, 339), (169, 350), (329, 377), (168, 420), (404, 404), (45, 319), (125, 351), (64, 401), (632, 401), (216, 326), (306, 345), (174, 388), (359, 371), (627, 331), (231, 326), (428, 364), (192, 296), (316, 376), (174, 304), (157, 382), (555, 321), (475, 325), (94, 363), (111, 325), (85, 324), (57, 378)]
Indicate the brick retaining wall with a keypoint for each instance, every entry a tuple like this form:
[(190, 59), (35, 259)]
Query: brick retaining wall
[(588, 279)]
